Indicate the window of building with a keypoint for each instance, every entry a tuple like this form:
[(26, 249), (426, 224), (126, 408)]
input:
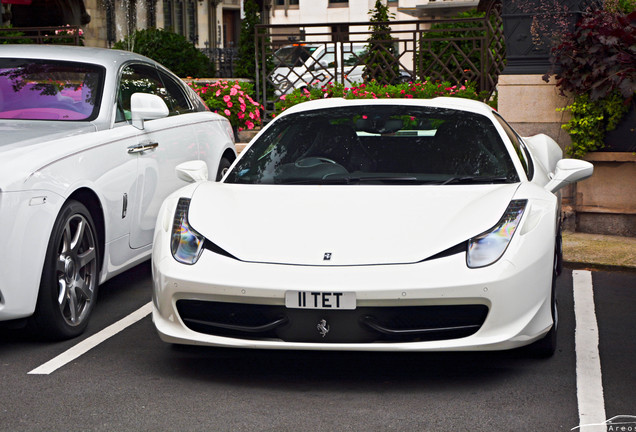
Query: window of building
[(340, 33), (286, 4), (180, 16)]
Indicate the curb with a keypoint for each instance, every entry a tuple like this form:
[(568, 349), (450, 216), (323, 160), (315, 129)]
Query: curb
[(577, 265)]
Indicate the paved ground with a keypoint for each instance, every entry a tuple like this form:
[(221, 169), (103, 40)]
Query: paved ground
[(582, 250)]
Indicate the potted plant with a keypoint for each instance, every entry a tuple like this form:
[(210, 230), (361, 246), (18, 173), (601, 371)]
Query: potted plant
[(598, 70)]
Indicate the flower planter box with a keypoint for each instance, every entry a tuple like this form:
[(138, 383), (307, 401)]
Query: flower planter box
[(606, 202), (623, 138)]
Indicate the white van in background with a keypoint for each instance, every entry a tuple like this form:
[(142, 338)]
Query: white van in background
[(304, 64)]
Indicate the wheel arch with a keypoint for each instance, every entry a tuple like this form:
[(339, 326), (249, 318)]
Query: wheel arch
[(229, 154)]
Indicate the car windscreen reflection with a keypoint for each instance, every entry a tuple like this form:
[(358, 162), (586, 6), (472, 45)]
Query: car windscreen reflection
[(49, 90)]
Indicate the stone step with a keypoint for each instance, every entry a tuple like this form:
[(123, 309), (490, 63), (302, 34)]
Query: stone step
[(246, 136)]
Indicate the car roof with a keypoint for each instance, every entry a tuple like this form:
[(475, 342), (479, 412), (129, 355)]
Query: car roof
[(456, 103), (101, 56)]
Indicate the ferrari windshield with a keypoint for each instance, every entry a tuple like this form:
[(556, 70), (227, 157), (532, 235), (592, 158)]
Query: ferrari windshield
[(49, 90), (378, 144)]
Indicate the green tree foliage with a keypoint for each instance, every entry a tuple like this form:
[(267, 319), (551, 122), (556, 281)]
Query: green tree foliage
[(458, 56), (381, 60), (171, 50), (246, 64)]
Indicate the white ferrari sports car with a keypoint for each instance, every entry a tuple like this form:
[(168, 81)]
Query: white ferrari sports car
[(378, 225), (89, 142)]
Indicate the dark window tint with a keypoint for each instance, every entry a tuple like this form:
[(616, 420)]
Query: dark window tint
[(519, 146), (49, 90), (383, 144)]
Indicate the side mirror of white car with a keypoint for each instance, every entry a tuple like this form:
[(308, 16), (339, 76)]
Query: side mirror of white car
[(145, 106), (569, 171), (192, 171)]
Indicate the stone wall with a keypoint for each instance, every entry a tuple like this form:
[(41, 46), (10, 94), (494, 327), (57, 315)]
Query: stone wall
[(602, 204), (95, 32), (530, 105)]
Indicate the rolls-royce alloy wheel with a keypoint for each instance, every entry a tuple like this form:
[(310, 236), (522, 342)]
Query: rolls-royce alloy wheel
[(68, 288)]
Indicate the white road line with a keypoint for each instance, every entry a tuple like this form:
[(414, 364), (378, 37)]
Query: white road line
[(91, 342), (589, 383)]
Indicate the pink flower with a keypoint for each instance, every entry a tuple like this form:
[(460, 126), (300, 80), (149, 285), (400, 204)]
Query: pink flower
[(243, 108), (241, 100), (364, 117), (240, 115), (282, 97), (249, 124), (251, 115), (226, 98), (227, 112), (218, 93), (230, 104), (233, 91)]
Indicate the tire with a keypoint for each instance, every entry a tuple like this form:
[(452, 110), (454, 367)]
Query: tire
[(224, 164), (546, 347), (68, 288)]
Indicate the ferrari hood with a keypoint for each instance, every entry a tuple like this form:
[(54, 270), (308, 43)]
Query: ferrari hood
[(343, 225)]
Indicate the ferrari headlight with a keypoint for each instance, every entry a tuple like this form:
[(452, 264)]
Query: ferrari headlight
[(185, 243), (488, 247)]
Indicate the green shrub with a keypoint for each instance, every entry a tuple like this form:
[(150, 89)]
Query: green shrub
[(14, 33), (591, 120), (598, 68), (171, 50)]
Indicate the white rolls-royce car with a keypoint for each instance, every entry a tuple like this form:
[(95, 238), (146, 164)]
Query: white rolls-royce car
[(388, 224), (89, 142)]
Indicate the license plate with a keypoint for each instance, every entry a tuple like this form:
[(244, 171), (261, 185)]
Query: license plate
[(320, 300)]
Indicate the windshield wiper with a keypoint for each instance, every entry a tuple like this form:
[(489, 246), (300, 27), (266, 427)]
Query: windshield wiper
[(474, 179), (356, 180), (392, 179)]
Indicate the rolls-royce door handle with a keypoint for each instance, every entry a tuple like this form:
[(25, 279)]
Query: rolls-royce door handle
[(142, 147)]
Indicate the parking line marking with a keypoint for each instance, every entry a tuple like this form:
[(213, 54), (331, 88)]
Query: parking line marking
[(589, 383), (91, 342)]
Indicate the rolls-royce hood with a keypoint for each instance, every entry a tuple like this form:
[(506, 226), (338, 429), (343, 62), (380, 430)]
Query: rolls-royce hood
[(28, 132), (27, 145), (349, 225)]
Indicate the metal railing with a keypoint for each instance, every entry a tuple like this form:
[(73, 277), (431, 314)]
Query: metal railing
[(62, 35), (289, 56), (224, 60)]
